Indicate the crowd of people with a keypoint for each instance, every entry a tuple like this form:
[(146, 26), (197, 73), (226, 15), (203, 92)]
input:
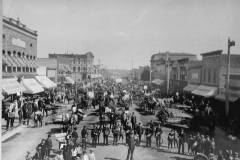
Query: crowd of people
[(124, 125)]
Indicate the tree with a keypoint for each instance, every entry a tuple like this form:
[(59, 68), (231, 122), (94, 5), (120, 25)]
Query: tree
[(145, 76)]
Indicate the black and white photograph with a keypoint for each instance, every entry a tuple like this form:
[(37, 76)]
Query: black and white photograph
[(120, 79)]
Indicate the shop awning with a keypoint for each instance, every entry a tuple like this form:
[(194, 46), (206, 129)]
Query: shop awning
[(233, 95), (69, 68), (205, 91), (35, 62), (28, 63), (16, 62), (32, 86), (5, 61), (25, 61), (21, 62), (157, 81), (45, 82), (12, 86), (10, 61), (190, 87), (70, 80)]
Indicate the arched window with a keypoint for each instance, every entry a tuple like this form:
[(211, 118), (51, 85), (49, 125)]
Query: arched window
[(30, 57), (78, 69), (23, 55), (9, 53), (3, 52), (19, 54), (3, 36), (14, 54), (27, 56), (34, 57), (74, 69)]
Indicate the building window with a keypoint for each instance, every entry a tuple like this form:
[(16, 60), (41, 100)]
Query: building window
[(215, 75), (31, 45), (74, 69), (209, 74), (79, 69), (3, 36), (174, 73), (204, 75), (183, 74)]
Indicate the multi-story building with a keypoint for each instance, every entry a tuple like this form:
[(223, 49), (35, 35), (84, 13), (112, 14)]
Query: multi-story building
[(19, 58), (19, 49), (82, 65), (194, 75), (158, 63), (213, 79), (58, 69)]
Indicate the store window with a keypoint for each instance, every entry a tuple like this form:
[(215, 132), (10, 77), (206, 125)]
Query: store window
[(209, 74), (204, 75), (215, 75)]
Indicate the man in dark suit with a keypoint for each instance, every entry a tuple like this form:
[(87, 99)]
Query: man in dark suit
[(148, 135), (139, 131), (131, 145), (94, 134), (127, 131), (84, 134), (42, 148), (75, 135), (158, 135), (133, 120), (48, 144), (106, 132), (182, 139)]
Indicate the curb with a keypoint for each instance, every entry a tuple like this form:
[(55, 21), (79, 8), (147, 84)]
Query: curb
[(18, 125)]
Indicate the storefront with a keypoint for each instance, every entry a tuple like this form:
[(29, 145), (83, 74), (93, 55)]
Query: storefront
[(45, 82), (70, 80), (205, 91), (11, 86), (32, 86), (190, 87)]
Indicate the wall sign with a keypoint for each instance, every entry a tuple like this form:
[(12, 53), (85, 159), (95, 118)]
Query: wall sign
[(194, 75), (211, 60), (18, 42), (51, 73)]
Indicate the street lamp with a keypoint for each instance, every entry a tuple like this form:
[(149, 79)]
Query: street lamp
[(230, 44)]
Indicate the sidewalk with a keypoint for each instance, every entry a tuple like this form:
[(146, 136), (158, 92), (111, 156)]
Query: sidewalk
[(4, 124)]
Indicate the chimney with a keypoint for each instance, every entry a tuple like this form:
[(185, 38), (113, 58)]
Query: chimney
[(35, 32), (18, 22), (10, 20), (24, 26)]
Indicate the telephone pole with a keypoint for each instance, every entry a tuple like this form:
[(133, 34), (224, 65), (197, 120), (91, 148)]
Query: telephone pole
[(167, 72), (230, 43)]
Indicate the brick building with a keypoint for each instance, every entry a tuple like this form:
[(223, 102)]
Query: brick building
[(81, 65), (57, 69), (158, 63), (19, 45)]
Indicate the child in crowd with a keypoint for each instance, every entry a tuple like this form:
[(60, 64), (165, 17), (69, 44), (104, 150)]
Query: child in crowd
[(212, 145), (190, 143), (121, 133)]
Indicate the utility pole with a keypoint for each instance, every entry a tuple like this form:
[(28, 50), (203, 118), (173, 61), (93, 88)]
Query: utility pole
[(132, 70), (230, 43), (167, 73), (76, 78)]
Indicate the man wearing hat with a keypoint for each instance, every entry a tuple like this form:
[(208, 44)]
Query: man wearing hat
[(148, 135), (158, 135), (84, 134), (75, 135), (42, 147), (48, 145), (106, 132), (94, 134), (131, 145), (182, 139)]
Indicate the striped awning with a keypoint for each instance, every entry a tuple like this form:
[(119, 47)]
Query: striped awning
[(12, 86), (21, 62), (32, 86), (45, 82), (26, 62), (10, 61), (5, 61)]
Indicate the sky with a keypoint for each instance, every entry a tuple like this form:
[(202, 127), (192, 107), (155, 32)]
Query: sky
[(119, 31)]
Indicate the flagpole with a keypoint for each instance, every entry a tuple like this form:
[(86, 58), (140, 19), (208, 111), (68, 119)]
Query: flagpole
[(167, 73)]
